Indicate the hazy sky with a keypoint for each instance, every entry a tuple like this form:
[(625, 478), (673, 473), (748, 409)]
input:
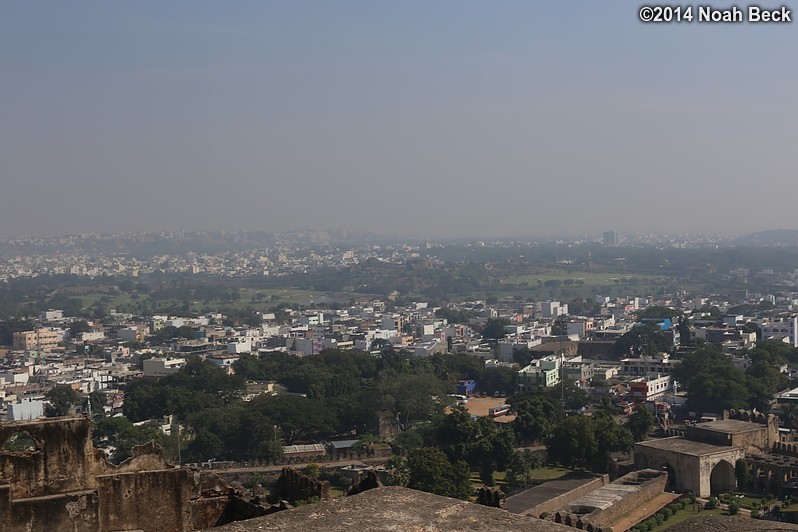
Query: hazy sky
[(450, 118)]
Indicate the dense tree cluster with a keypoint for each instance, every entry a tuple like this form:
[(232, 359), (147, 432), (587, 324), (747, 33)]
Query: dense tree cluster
[(335, 392), (643, 339), (587, 441), (714, 384)]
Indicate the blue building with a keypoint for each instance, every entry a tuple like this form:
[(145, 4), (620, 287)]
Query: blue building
[(467, 388)]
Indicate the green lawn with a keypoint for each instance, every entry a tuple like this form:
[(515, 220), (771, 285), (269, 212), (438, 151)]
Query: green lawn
[(687, 513), (587, 278), (748, 501), (586, 284), (549, 473)]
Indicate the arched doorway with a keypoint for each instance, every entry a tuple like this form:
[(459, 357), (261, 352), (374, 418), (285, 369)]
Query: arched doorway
[(671, 485), (722, 477)]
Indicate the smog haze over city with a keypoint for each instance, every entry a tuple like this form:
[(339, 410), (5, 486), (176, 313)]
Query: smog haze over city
[(449, 118)]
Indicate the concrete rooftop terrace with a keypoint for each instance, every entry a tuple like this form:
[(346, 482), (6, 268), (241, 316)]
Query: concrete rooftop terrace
[(532, 497), (729, 426), (392, 508), (681, 445)]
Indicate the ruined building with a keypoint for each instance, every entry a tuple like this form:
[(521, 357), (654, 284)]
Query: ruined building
[(702, 458), (51, 478)]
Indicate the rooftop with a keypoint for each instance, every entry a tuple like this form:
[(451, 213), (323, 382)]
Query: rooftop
[(729, 426), (681, 445), (527, 499), (394, 509)]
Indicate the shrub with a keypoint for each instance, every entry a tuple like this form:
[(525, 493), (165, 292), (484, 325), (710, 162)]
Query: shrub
[(755, 514), (711, 503), (734, 508), (666, 513)]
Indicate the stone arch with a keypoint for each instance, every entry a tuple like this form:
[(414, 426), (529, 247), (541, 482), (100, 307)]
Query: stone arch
[(20, 442), (558, 518), (568, 520), (722, 477), (671, 483), (758, 474)]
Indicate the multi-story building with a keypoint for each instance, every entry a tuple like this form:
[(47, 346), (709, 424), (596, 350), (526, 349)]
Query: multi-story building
[(659, 363), (43, 339), (543, 373), (646, 389), (783, 328)]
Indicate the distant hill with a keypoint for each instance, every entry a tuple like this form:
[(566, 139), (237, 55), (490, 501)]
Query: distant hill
[(775, 237)]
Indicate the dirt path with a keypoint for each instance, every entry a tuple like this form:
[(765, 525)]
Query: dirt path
[(644, 512)]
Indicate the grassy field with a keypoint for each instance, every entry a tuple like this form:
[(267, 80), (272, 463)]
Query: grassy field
[(249, 298), (549, 473), (687, 513), (582, 284), (748, 502)]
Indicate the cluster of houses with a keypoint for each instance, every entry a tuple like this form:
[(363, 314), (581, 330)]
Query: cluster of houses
[(543, 341)]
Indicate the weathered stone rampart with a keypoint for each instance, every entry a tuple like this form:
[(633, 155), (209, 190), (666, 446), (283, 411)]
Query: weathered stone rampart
[(58, 481)]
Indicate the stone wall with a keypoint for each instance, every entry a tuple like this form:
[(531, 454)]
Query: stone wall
[(649, 484), (555, 503), (295, 486), (62, 483), (597, 510), (62, 461)]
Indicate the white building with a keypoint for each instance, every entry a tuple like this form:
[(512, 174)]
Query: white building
[(552, 309), (25, 409), (785, 329)]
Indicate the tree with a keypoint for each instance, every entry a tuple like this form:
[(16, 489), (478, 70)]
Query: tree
[(716, 390), (494, 328), (536, 415), (78, 327), (298, 417), (657, 312), (61, 401), (587, 441), (712, 383), (743, 474), (431, 471), (643, 339), (575, 397), (573, 442), (640, 422), (409, 397), (501, 379), (790, 416), (521, 468), (397, 471), (119, 436), (407, 441)]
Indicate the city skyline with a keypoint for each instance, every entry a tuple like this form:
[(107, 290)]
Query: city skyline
[(453, 119)]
